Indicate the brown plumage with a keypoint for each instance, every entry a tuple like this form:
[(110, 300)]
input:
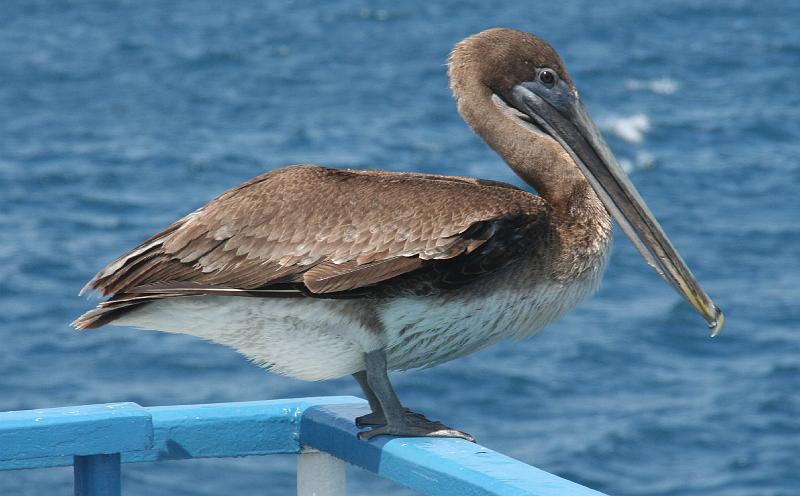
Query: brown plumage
[(323, 232)]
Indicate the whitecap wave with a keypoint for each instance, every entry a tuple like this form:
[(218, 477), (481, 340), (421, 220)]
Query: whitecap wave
[(631, 128), (660, 86), (641, 161)]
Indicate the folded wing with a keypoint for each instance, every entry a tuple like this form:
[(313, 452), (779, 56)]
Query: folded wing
[(314, 231)]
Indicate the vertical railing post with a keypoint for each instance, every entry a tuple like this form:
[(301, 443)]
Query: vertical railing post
[(320, 474), (97, 475)]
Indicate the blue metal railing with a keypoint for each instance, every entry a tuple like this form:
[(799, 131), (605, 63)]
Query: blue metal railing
[(97, 439)]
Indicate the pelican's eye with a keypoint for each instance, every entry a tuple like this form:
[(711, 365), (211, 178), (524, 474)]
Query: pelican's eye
[(547, 77)]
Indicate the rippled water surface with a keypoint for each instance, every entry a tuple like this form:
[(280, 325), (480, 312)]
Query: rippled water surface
[(118, 117)]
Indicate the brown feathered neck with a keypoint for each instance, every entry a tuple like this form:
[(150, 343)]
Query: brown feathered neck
[(490, 63)]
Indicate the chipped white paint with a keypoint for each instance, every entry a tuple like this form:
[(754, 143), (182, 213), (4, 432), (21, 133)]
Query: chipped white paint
[(320, 474)]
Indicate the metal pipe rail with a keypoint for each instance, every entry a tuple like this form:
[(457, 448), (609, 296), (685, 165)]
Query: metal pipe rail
[(97, 439)]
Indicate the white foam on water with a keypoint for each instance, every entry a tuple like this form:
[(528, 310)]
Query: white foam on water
[(641, 161), (660, 86), (630, 128), (644, 160)]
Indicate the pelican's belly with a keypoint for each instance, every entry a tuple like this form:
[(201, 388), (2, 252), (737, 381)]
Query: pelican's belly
[(428, 331), (305, 338)]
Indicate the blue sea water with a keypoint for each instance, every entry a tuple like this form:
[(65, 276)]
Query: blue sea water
[(118, 117)]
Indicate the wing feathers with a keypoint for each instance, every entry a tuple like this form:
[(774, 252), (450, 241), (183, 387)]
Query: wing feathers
[(331, 277), (329, 230)]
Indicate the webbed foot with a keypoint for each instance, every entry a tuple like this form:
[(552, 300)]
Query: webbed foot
[(414, 424)]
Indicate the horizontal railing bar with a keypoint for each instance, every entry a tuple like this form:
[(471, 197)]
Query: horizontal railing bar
[(78, 430), (228, 429), (443, 467), (436, 467), (172, 432)]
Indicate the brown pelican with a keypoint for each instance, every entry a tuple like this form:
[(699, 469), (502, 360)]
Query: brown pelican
[(317, 273)]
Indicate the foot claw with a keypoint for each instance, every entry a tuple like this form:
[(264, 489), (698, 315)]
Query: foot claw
[(370, 419)]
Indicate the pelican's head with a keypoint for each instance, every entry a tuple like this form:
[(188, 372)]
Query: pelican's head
[(525, 75)]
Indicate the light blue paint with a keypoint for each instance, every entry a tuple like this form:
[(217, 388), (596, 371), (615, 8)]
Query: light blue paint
[(229, 429), (98, 475), (432, 466), (78, 430), (177, 432), (444, 467)]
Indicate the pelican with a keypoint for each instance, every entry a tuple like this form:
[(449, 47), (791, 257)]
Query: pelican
[(318, 273)]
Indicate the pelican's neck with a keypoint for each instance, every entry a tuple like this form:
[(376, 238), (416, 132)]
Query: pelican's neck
[(537, 159), (580, 221)]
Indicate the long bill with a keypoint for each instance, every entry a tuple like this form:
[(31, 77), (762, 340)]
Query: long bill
[(572, 127)]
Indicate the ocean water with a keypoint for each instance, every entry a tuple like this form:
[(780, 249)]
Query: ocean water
[(118, 117)]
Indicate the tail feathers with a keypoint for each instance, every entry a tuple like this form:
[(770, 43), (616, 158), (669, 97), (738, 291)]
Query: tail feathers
[(98, 317), (122, 303), (112, 309)]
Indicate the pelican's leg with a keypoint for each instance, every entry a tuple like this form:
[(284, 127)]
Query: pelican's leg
[(376, 417), (399, 421)]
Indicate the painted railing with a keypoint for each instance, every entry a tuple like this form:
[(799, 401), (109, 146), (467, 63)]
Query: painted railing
[(97, 439)]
